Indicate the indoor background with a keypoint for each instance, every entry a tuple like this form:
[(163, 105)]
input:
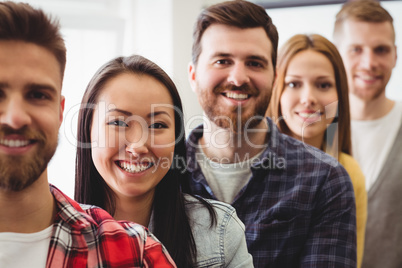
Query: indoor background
[(96, 31)]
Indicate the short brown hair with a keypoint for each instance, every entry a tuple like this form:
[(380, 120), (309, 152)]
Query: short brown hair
[(320, 44), (22, 22), (361, 10), (238, 13)]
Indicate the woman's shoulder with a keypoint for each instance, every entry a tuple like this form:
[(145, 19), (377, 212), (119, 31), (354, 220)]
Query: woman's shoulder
[(353, 169), (218, 245), (348, 162), (225, 213)]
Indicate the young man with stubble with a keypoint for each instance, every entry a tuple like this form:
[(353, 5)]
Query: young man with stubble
[(39, 225), (296, 202), (365, 37)]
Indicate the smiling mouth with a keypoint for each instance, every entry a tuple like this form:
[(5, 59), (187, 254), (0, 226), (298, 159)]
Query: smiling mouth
[(368, 77), (134, 167), (310, 115), (236, 96), (14, 143)]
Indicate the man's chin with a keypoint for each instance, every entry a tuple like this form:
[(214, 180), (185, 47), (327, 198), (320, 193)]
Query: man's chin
[(15, 184), (238, 126), (368, 94)]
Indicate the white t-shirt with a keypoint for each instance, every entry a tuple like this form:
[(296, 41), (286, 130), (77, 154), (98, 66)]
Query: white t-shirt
[(226, 180), (372, 141), (25, 250)]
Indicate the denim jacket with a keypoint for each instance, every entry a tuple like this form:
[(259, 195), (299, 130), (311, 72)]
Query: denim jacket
[(223, 245)]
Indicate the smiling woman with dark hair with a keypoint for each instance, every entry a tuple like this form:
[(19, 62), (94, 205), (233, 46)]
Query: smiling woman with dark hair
[(131, 162)]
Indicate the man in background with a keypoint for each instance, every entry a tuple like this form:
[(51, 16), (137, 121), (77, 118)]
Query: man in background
[(365, 36), (298, 208), (39, 225)]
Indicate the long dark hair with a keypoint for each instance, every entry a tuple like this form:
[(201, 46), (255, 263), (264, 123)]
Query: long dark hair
[(170, 221)]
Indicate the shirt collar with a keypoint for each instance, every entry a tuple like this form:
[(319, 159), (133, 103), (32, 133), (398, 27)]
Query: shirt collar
[(272, 157), (70, 211)]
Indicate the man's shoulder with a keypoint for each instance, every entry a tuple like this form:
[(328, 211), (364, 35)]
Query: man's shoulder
[(82, 227), (297, 153), (107, 225), (87, 217), (281, 149)]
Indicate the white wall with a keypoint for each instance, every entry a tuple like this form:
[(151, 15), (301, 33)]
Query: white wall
[(161, 30), (320, 19)]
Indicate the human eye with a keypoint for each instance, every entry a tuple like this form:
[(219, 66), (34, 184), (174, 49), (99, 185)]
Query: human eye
[(38, 95), (293, 84), (222, 62), (158, 125), (381, 50), (255, 64), (324, 85), (117, 123), (356, 49)]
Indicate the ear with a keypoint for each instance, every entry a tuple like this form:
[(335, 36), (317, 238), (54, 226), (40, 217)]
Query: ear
[(62, 102), (396, 55), (191, 76)]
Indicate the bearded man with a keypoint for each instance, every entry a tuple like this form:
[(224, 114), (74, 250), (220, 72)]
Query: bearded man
[(297, 207), (39, 225)]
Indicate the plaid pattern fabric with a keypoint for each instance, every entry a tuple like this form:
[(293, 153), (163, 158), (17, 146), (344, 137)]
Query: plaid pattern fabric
[(90, 237), (298, 207)]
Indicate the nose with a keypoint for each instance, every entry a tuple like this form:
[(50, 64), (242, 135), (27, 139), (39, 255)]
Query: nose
[(14, 113), (368, 60), (238, 75), (137, 141), (307, 96)]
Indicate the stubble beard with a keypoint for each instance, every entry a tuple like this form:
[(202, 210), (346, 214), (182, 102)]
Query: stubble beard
[(236, 119), (19, 172), (366, 94)]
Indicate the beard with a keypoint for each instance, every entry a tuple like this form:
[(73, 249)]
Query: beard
[(364, 93), (236, 118), (17, 172), (367, 96)]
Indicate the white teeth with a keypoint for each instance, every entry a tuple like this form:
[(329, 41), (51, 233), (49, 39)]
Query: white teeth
[(134, 168), (236, 96), (367, 77), (14, 143), (310, 115)]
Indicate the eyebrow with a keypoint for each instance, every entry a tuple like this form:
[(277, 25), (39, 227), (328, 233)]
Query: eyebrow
[(33, 86), (120, 111), (150, 115), (252, 57), (319, 77), (46, 87)]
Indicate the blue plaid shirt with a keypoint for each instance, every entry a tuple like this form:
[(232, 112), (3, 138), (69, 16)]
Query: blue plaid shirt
[(298, 207)]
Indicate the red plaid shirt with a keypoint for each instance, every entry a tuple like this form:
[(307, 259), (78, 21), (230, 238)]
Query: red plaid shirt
[(90, 237)]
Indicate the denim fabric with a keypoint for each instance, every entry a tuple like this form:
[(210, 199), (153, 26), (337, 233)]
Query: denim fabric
[(221, 245), (298, 207)]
